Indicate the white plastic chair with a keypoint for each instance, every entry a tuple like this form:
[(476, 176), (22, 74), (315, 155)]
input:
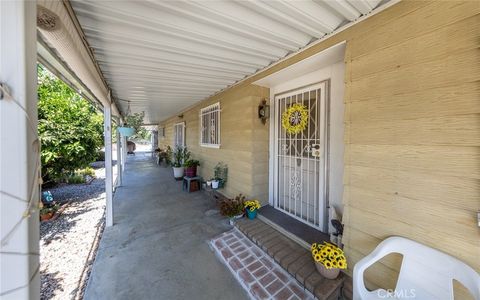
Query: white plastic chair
[(425, 274)]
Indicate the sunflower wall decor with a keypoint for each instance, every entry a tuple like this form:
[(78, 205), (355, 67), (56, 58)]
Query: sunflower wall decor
[(295, 118)]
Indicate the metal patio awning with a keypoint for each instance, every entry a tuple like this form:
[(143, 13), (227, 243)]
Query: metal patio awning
[(164, 56)]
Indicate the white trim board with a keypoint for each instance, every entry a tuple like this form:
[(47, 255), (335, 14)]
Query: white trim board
[(328, 64), (311, 64)]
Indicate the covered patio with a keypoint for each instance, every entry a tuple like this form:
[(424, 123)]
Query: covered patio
[(158, 247), (359, 113)]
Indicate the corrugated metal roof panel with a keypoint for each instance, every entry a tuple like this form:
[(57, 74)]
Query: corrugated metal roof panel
[(164, 56)]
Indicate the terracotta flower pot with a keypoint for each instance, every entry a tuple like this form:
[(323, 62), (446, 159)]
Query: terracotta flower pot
[(46, 216), (327, 273)]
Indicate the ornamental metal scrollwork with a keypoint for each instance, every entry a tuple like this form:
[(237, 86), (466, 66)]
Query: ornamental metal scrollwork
[(296, 185)]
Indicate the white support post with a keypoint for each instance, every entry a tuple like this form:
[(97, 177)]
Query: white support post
[(124, 152), (19, 153), (107, 129), (119, 159)]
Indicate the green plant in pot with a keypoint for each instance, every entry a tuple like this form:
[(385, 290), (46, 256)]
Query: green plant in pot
[(179, 156), (46, 213), (191, 167), (168, 156), (220, 175), (232, 208)]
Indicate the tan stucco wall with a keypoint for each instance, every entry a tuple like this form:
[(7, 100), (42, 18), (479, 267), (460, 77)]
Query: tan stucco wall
[(244, 141), (412, 131)]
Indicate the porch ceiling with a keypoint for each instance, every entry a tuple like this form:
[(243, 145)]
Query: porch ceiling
[(164, 56)]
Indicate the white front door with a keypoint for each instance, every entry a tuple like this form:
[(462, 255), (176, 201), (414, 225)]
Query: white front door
[(300, 169)]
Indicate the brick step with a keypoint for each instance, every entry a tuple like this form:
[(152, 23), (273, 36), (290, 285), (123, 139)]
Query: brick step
[(347, 288), (292, 257)]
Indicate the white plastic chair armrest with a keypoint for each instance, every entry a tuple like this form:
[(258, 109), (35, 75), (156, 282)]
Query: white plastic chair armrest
[(359, 290)]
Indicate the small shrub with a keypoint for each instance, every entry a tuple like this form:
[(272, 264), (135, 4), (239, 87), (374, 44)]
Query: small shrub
[(76, 179), (168, 154), (221, 173), (232, 207), (100, 155), (88, 171)]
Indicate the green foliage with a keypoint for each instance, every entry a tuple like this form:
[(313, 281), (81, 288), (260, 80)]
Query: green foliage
[(100, 156), (191, 163), (76, 179), (168, 156), (141, 134), (46, 210), (135, 120), (221, 173), (70, 128), (180, 155), (88, 171), (232, 207)]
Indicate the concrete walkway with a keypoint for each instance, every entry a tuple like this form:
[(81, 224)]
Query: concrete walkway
[(157, 248)]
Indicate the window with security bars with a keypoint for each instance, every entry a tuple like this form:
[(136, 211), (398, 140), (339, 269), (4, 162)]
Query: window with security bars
[(210, 126), (179, 135)]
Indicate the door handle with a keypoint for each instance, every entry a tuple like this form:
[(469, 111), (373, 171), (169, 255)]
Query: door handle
[(316, 150)]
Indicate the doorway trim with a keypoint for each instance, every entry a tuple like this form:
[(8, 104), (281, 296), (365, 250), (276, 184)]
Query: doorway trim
[(322, 199)]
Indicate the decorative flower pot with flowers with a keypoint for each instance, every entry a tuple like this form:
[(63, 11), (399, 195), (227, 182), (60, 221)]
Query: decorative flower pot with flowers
[(191, 167), (251, 208), (329, 259)]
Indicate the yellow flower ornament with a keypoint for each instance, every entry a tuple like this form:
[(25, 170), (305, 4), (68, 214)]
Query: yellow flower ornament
[(295, 118)]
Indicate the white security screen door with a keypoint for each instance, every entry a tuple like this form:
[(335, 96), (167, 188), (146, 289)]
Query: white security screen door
[(179, 135), (300, 176)]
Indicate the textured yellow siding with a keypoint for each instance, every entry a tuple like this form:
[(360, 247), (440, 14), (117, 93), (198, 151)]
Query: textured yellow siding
[(412, 131), (412, 137), (244, 141)]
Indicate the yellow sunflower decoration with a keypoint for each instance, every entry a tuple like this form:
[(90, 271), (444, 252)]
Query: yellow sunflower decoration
[(295, 118), (329, 255)]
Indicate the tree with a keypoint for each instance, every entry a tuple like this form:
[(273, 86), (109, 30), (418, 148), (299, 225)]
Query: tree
[(70, 128)]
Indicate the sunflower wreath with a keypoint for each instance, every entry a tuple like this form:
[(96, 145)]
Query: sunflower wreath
[(295, 118)]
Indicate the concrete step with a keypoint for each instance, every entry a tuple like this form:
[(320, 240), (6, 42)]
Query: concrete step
[(292, 257)]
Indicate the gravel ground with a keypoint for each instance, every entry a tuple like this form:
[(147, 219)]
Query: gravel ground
[(69, 243)]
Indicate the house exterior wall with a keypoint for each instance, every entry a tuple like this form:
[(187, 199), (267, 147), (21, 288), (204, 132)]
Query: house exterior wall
[(412, 131), (244, 141)]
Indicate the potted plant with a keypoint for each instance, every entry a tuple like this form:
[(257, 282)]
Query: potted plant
[(209, 182), (191, 167), (216, 183), (251, 208), (133, 122), (220, 175), (329, 259), (180, 155), (232, 208), (46, 213), (168, 156)]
